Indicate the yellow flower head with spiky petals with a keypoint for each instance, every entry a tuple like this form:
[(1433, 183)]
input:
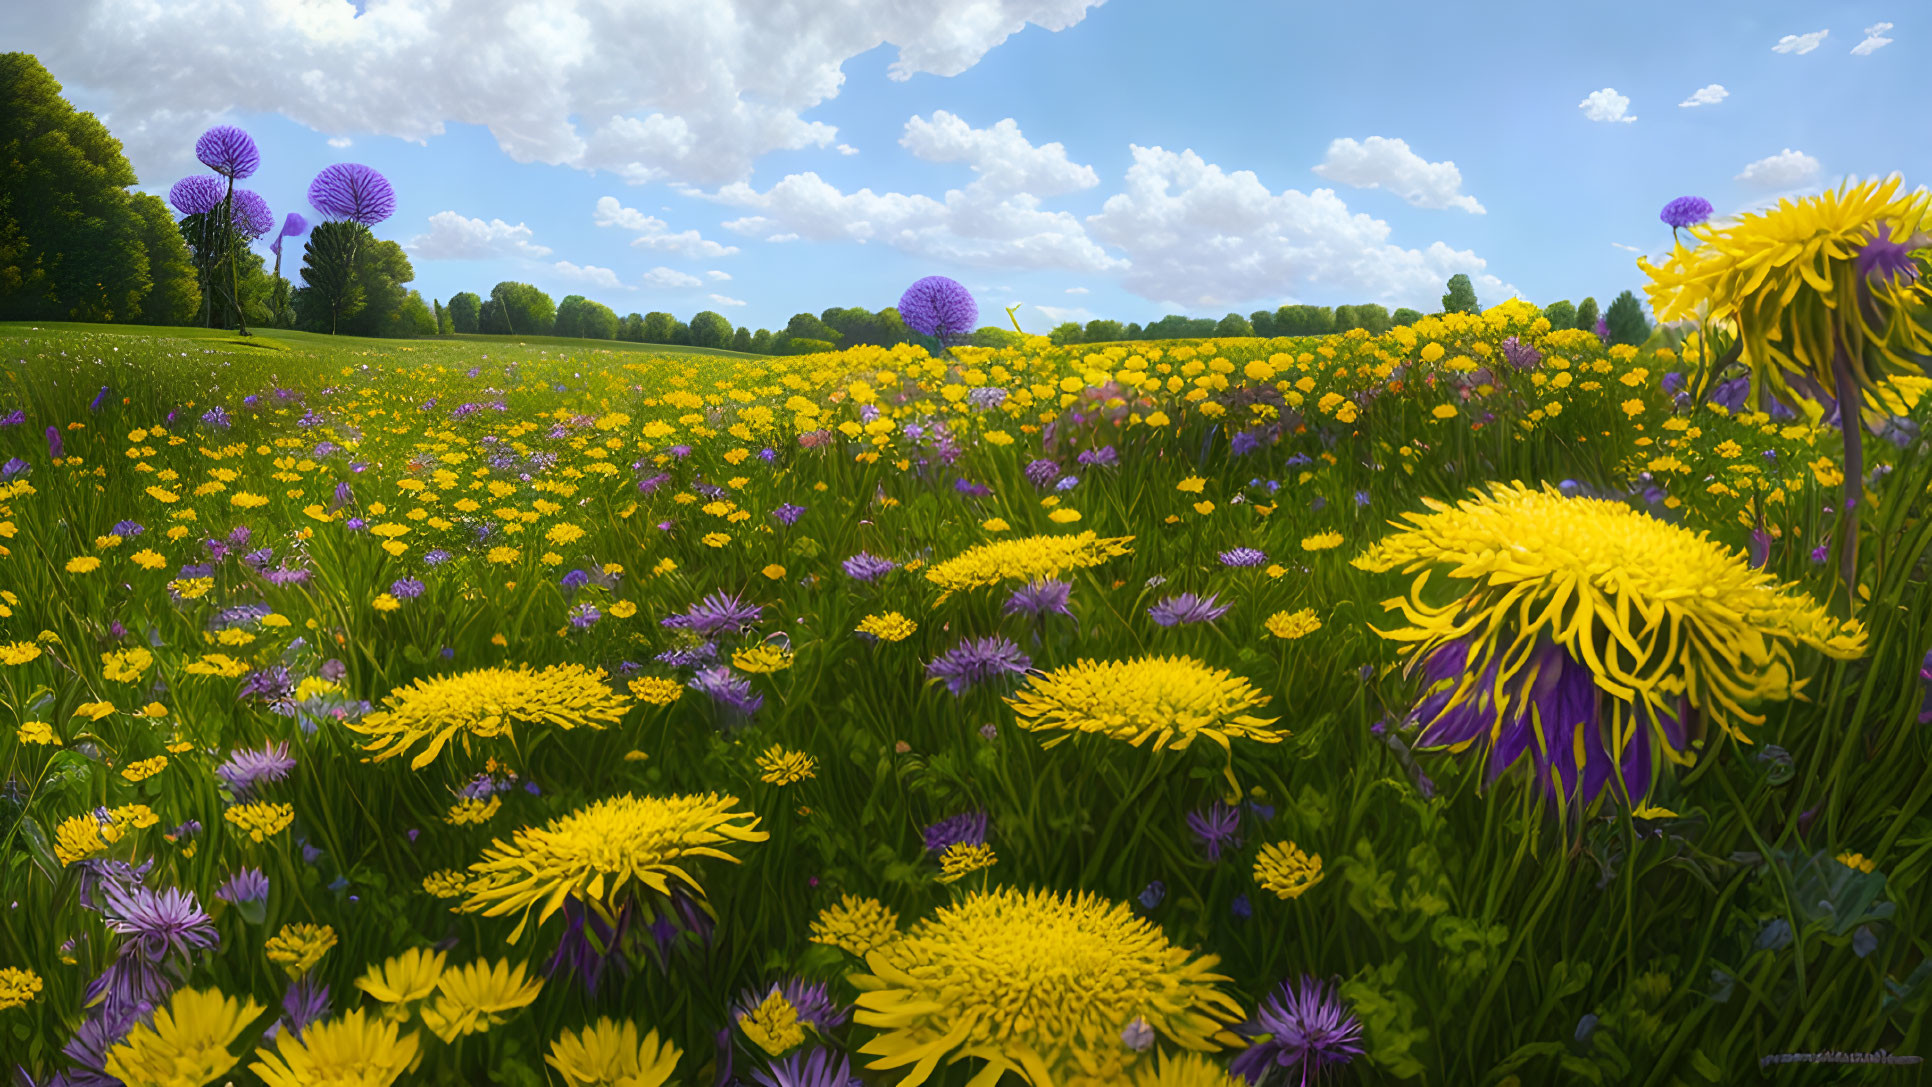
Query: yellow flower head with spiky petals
[(595, 852), (1283, 870), (773, 1025), (610, 1053), (1027, 559), (353, 1050), (185, 1044), (401, 981), (298, 947), (1171, 701), (485, 704), (1038, 984), (17, 987), (472, 999), (782, 767), (855, 925)]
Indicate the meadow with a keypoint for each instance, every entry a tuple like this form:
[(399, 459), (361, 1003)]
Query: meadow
[(519, 713)]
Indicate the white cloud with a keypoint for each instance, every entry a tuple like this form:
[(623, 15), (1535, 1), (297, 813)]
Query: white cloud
[(340, 142), (1606, 105), (1800, 43), (1629, 248), (1198, 236), (654, 234), (1705, 96), (1875, 40), (661, 276), (591, 274), (1002, 158), (717, 275), (1783, 170), (1060, 316), (453, 237), (1076, 290), (726, 300), (787, 237), (556, 82), (846, 149), (1379, 163)]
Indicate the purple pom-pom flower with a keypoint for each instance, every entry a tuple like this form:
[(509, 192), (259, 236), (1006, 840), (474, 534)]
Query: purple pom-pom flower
[(252, 217), (1685, 211), (939, 307), (197, 195), (228, 151), (352, 191)]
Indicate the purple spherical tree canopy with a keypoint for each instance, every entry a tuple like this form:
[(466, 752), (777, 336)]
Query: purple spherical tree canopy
[(197, 195), (352, 191), (1685, 211), (252, 217), (939, 307), (228, 151)]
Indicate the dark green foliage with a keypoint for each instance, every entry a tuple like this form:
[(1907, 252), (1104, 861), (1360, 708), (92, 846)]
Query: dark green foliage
[(1262, 321), (1404, 316), (995, 336), (1304, 321), (710, 329), (631, 328), (1066, 333), (1461, 297), (331, 292), (463, 311), (681, 334), (1135, 332), (1586, 315), (174, 295), (442, 318), (569, 322), (1560, 315), (807, 327), (761, 342), (658, 327), (804, 345), (1101, 331), (1174, 326), (1374, 317), (517, 309), (741, 339), (1626, 319), (1234, 325)]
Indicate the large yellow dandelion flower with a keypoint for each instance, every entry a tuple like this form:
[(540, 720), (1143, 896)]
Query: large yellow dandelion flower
[(1029, 558), (593, 853), (353, 1050), (474, 998), (610, 1054), (1169, 700), (485, 704), (298, 947), (1589, 635), (187, 1043), (401, 981), (1038, 985), (1285, 871), (856, 925)]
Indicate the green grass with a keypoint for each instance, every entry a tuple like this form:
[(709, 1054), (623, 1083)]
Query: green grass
[(282, 339)]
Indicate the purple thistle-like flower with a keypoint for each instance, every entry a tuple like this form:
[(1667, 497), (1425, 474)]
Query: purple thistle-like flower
[(978, 660), (252, 217), (293, 226), (352, 191), (967, 828), (1218, 827), (788, 514), (1685, 211), (1882, 258), (1244, 556), (97, 875), (811, 1000), (53, 443), (1603, 329), (271, 684), (407, 588), (689, 656), (808, 1068), (286, 575), (306, 1001), (584, 616), (1039, 598), (98, 1033), (158, 923), (868, 567), (728, 691), (939, 307), (247, 885), (228, 151), (246, 770), (1302, 1026), (1521, 355), (197, 195), (1188, 608), (1042, 472), (718, 613), (1105, 456)]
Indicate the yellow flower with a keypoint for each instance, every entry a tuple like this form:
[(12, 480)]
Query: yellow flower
[(656, 690), (762, 659), (610, 1054), (782, 767), (1028, 558), (595, 852), (563, 534), (1443, 411), (773, 1025), (403, 980), (1187, 1070), (353, 1051), (1282, 869), (1191, 485), (1204, 507), (856, 925), (94, 711), (474, 998), (773, 572), (623, 609), (446, 883), (1036, 984), (19, 653), (964, 858), (17, 987), (1169, 700), (83, 564), (471, 811), (187, 1043), (714, 539), (1857, 861), (260, 820), (889, 627), (385, 602), (298, 947), (1324, 541), (145, 769), (37, 732), (1064, 517), (503, 555), (485, 703), (995, 524), (1292, 625)]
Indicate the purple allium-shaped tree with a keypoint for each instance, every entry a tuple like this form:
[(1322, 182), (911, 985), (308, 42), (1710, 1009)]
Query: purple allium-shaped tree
[(939, 307), (197, 195), (354, 198), (230, 152), (252, 217)]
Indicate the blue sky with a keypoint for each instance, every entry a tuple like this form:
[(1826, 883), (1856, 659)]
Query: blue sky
[(841, 130)]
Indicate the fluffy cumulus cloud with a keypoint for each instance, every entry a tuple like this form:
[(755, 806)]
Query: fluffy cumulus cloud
[(1875, 40), (589, 273), (1784, 170), (1800, 44), (726, 300), (1060, 315), (1200, 236), (717, 276), (663, 277), (1380, 163), (1076, 290), (1705, 96), (655, 234), (452, 236), (555, 81), (1000, 156), (1608, 106)]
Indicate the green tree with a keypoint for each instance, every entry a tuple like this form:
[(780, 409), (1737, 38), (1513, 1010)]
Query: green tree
[(995, 336), (1304, 320), (597, 321), (681, 334), (331, 292), (1263, 322), (517, 309), (174, 295), (442, 319), (1135, 332), (375, 298), (1586, 315), (569, 320), (412, 318), (1626, 319), (1102, 331), (658, 327), (1560, 315), (1346, 319), (1461, 297), (463, 309), (1233, 325), (710, 329), (741, 339), (1374, 317), (631, 328), (761, 342), (1404, 317), (1065, 333), (804, 326)]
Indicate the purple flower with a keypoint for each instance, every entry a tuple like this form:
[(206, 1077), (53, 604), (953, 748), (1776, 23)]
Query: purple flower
[(293, 226), (306, 1001), (977, 661), (1218, 827), (99, 399), (228, 151), (53, 443), (1521, 355), (808, 1068), (407, 588), (868, 567), (1188, 608), (1301, 1026), (436, 557), (590, 945), (986, 397), (158, 923), (217, 417), (252, 217), (1153, 895), (1103, 457), (1685, 211), (728, 691), (1883, 258), (1138, 1034), (692, 656), (716, 614), (939, 307), (584, 616), (352, 191), (1241, 908), (574, 580), (968, 828), (197, 195), (245, 770), (1039, 598), (1042, 472), (811, 1000), (1925, 676), (788, 514), (1603, 329), (1243, 556)]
